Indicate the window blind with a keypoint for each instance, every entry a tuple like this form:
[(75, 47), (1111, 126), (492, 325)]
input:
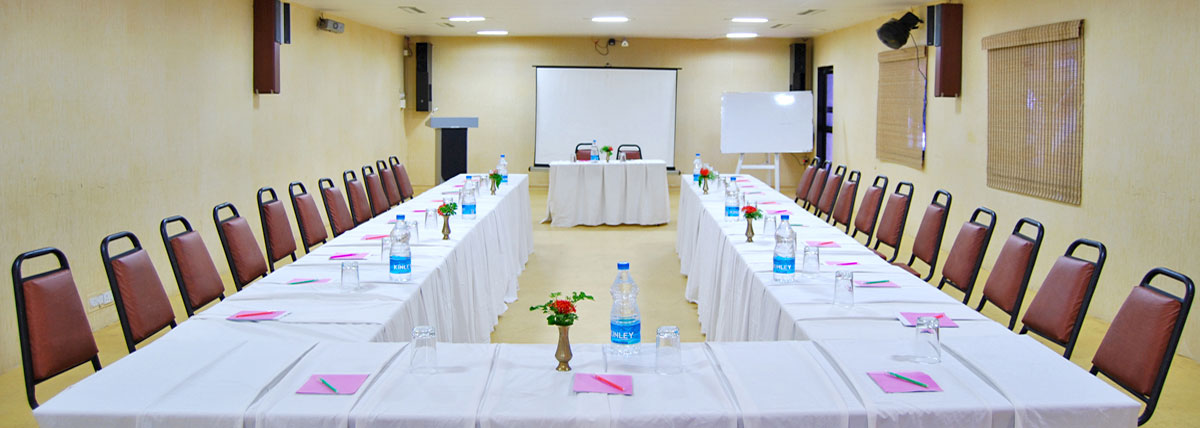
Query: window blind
[(899, 131)]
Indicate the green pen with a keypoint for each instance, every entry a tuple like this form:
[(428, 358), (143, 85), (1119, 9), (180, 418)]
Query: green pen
[(898, 376), (876, 282), (303, 282), (331, 388)]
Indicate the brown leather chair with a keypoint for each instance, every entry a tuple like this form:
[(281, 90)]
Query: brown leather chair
[(1137, 350), (312, 229), (891, 227), (1006, 285), (868, 212), (52, 325), (928, 242), (844, 206), (195, 273), (378, 199), (818, 186), (1057, 311), (583, 152), (406, 189), (806, 180), (246, 261), (360, 209), (829, 195), (277, 231), (390, 187), (335, 207), (142, 304), (966, 255), (631, 151)]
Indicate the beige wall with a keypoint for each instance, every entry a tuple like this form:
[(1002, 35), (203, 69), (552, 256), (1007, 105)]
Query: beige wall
[(1140, 125), (116, 114), (493, 78)]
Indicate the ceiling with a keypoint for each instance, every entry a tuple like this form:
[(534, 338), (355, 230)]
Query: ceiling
[(691, 19)]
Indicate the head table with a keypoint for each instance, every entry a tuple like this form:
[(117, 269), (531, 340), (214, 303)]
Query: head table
[(216, 373), (615, 192)]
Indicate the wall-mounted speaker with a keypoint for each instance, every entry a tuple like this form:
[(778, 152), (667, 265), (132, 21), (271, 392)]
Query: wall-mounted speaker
[(424, 56), (267, 36), (945, 26), (799, 67)]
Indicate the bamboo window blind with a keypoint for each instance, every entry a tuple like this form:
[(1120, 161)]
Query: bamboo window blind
[(900, 128), (1035, 111)]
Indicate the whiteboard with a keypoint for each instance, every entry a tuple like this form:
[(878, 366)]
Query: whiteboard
[(613, 106), (767, 122)]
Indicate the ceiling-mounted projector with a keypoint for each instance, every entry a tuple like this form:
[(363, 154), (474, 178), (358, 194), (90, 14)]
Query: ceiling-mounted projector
[(330, 25), (894, 33)]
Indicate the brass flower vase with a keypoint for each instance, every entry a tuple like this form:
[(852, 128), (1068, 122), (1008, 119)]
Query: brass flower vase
[(704, 185), (607, 156), (749, 231), (493, 187), (445, 227), (563, 354)]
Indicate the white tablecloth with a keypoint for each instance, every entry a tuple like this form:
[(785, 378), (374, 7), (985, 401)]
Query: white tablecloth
[(612, 193)]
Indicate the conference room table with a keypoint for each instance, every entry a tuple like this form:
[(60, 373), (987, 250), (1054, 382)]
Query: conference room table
[(613, 193)]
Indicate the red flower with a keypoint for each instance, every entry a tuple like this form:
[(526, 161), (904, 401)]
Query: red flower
[(704, 172), (749, 209), (563, 307)]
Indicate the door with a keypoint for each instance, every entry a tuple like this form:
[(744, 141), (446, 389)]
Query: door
[(824, 146)]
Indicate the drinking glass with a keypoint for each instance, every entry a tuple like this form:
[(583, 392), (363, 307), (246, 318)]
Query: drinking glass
[(621, 156), (385, 248), (424, 345), (668, 354), (770, 223), (431, 218), (811, 265), (349, 276), (414, 231), (928, 344), (843, 289)]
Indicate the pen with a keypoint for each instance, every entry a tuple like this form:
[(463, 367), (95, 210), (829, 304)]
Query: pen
[(609, 382), (254, 314), (898, 376), (876, 282), (331, 388), (303, 282), (821, 244), (847, 264)]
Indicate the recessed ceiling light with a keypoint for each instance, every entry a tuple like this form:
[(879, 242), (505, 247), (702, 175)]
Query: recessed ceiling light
[(610, 19), (741, 35), (466, 18), (492, 33), (749, 20)]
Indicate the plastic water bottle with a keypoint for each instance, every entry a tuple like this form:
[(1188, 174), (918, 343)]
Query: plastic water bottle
[(696, 165), (467, 198), (400, 259), (502, 168), (595, 152), (626, 318), (731, 200), (785, 250)]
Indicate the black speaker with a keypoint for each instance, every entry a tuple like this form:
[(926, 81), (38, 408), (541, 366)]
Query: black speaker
[(424, 55), (799, 67)]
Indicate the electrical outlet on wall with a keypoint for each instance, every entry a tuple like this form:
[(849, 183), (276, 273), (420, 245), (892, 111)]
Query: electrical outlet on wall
[(100, 300)]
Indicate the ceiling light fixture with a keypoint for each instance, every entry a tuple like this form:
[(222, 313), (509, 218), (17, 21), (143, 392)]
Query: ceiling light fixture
[(741, 35), (466, 18), (492, 33), (749, 20), (610, 19)]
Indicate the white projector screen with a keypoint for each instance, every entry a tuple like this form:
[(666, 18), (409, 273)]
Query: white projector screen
[(767, 122), (613, 106)]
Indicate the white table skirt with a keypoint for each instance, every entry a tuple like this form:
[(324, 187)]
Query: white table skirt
[(612, 193)]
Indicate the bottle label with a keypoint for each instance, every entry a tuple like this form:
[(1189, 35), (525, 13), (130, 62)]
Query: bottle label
[(696, 178), (504, 178), (469, 209), (785, 265), (731, 211), (399, 264), (626, 332)]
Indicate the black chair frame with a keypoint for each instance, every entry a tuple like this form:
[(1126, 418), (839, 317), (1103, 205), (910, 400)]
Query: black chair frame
[(225, 243), (296, 210), (23, 323), (395, 162), (854, 177), (1102, 254), (1036, 240), (1186, 305), (937, 248), (348, 176), (118, 300), (262, 217), (987, 239), (326, 183), (878, 210), (621, 148), (903, 221), (188, 305)]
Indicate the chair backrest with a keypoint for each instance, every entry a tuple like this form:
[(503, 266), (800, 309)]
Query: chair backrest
[(246, 261), (277, 230), (1006, 285), (844, 206), (406, 189), (631, 151), (379, 202), (142, 304), (195, 273), (308, 218), (928, 242), (360, 209), (818, 185), (829, 194), (335, 207), (1137, 350), (583, 151), (966, 255), (868, 212), (52, 325), (806, 179), (895, 216), (390, 187), (1058, 310)]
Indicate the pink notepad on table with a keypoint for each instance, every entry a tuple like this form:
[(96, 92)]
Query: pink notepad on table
[(823, 244), (909, 319), (256, 315), (349, 256), (296, 281), (374, 237), (890, 384), (768, 203), (884, 284), (837, 263), (774, 212), (345, 384), (587, 382)]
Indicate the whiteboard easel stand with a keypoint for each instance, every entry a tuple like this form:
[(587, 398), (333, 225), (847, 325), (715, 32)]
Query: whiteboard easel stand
[(762, 166)]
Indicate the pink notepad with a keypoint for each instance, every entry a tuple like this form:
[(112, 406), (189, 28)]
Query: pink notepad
[(837, 263), (308, 281), (349, 256), (345, 384), (768, 203), (909, 319), (458, 185), (374, 237), (774, 212), (256, 315), (823, 244), (587, 382), (437, 201), (885, 284), (891, 384)]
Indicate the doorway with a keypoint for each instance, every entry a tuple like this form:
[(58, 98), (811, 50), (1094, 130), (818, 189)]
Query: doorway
[(824, 146)]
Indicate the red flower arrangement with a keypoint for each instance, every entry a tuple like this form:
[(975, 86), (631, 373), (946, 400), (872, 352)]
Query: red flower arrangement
[(447, 209), (608, 150), (751, 213), (707, 174), (561, 310)]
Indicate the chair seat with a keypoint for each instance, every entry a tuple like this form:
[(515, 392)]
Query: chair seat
[(907, 268)]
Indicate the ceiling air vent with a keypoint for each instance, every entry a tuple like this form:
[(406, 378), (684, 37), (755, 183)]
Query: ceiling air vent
[(446, 24), (776, 26), (412, 10), (811, 12)]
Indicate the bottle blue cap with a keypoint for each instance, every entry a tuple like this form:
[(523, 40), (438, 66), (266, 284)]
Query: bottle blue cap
[(501, 155), (785, 217), (399, 216), (468, 177), (732, 178), (622, 265), (697, 155)]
